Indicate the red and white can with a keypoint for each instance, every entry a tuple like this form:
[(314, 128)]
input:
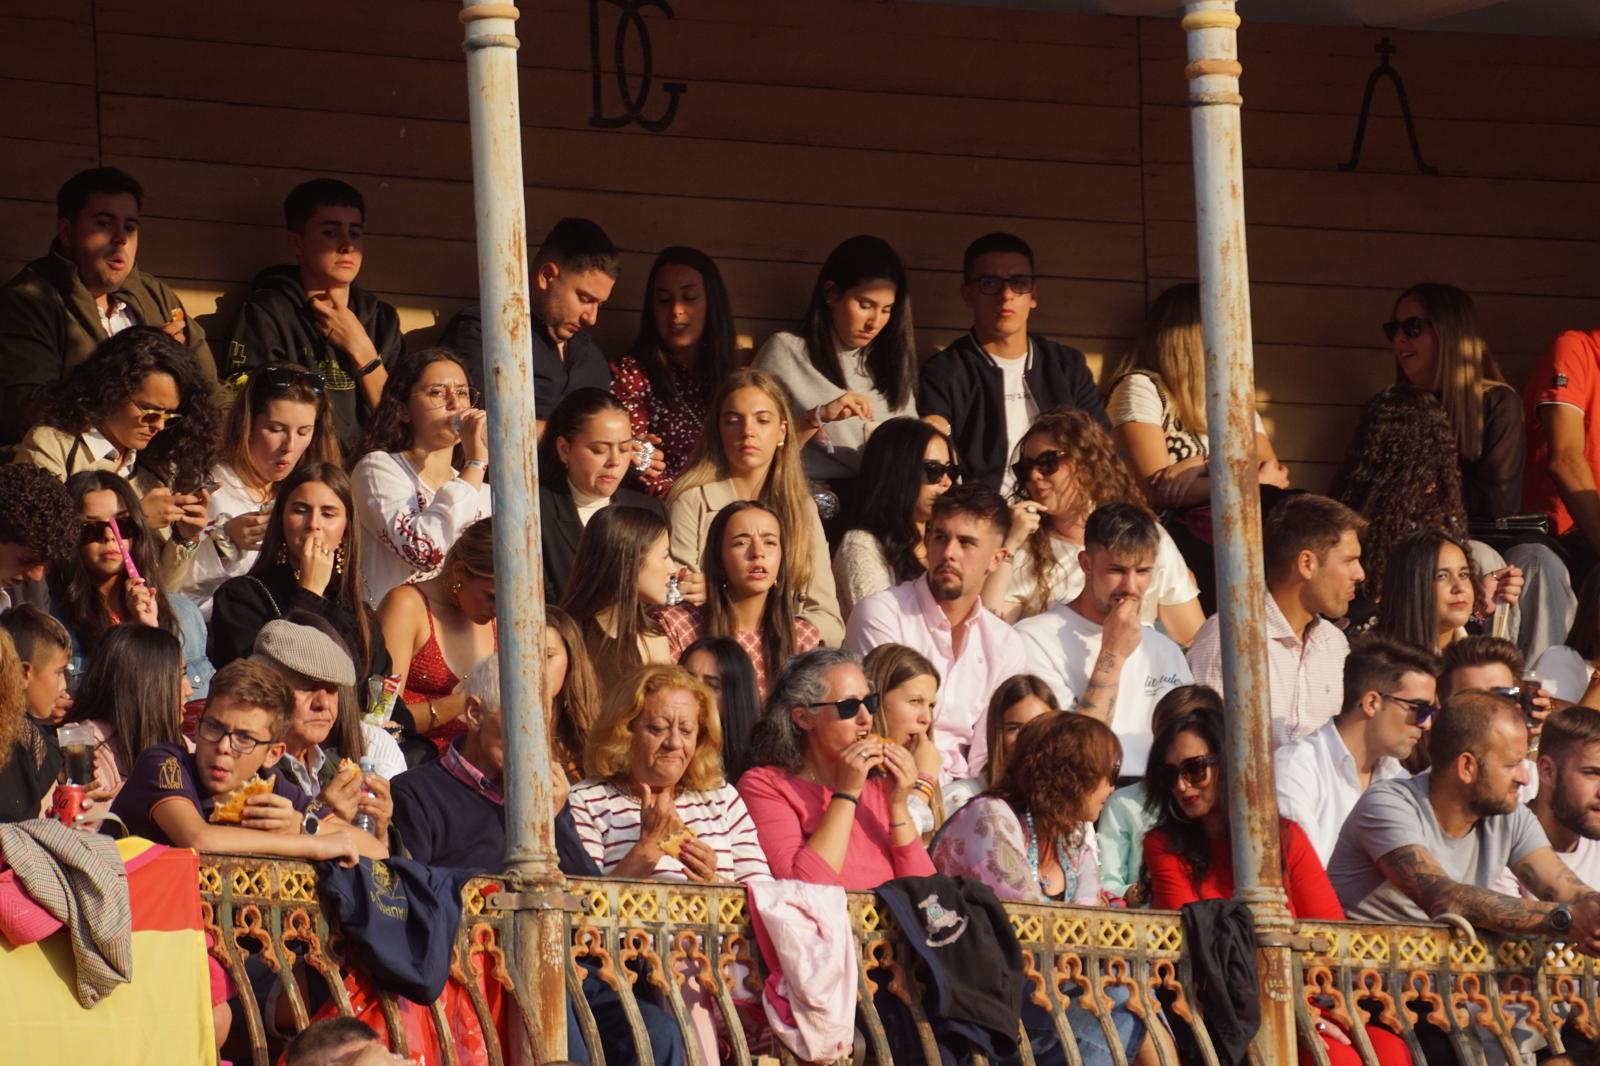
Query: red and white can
[(67, 804)]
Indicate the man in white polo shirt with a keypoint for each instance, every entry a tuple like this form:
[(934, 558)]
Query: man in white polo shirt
[(1093, 652), (1313, 566), (1389, 701)]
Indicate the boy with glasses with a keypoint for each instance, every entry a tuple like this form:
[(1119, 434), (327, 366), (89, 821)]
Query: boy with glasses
[(313, 313), (986, 388), (184, 798), (1388, 705)]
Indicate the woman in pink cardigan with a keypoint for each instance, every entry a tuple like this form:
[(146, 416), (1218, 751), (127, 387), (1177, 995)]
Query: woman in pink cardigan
[(827, 796)]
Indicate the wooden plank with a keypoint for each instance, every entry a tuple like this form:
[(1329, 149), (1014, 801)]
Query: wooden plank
[(754, 111), (48, 111), (1397, 203), (1306, 256), (34, 170), (45, 49), (1322, 375), (26, 229), (71, 11), (1313, 477), (1525, 150), (1316, 433)]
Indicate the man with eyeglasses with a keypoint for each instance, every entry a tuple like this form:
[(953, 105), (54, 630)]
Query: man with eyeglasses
[(1388, 704), (172, 794), (313, 313), (88, 288), (986, 388)]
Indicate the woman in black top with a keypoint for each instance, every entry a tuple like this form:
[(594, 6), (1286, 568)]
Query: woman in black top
[(29, 758)]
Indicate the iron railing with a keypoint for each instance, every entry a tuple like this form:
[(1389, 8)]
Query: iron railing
[(657, 940)]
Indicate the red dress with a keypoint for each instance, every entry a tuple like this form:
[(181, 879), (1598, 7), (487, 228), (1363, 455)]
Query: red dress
[(1310, 894), (430, 678)]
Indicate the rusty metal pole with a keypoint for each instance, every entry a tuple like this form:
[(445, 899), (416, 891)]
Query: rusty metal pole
[(491, 47), (1214, 104)]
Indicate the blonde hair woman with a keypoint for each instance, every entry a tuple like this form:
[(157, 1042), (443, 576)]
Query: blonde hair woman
[(750, 451)]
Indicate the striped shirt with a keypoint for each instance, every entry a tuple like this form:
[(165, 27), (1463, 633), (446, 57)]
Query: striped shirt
[(607, 819)]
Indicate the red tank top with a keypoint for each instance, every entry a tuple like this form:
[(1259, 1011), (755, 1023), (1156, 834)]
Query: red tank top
[(430, 678)]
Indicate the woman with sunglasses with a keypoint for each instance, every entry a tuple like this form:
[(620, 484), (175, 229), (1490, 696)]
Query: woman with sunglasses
[(1439, 347), (138, 407), (748, 452), (280, 419), (449, 618), (821, 812), (909, 464), (684, 348), (1068, 466), (424, 476), (95, 589), (853, 361), (310, 560), (1188, 854), (749, 597)]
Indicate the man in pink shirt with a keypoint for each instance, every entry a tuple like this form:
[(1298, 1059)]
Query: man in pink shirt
[(941, 615)]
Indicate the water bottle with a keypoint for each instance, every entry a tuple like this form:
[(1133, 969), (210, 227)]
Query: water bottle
[(363, 820)]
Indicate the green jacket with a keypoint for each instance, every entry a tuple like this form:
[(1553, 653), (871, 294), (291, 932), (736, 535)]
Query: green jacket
[(49, 323)]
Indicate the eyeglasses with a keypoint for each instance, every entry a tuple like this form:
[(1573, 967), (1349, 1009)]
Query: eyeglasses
[(280, 378), (1194, 772), (933, 472), (94, 530), (1420, 707), (156, 416), (994, 284), (212, 731), (1412, 327), (850, 706), (441, 395), (1046, 462)]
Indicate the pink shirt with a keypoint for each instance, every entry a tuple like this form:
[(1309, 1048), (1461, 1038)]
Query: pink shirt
[(908, 614), (788, 809)]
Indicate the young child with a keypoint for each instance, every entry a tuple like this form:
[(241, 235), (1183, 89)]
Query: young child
[(172, 795), (45, 649)]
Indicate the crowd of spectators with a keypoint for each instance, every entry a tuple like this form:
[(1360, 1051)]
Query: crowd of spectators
[(831, 616)]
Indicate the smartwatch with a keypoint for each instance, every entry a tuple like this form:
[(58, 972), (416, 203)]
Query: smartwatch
[(1559, 921), (311, 824)]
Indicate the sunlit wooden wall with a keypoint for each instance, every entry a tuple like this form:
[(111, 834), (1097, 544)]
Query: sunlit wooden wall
[(804, 123)]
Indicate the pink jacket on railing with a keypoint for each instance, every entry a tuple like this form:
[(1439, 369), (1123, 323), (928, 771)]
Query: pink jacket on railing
[(787, 810)]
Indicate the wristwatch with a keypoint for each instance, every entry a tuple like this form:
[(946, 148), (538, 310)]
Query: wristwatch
[(1559, 921), (311, 823)]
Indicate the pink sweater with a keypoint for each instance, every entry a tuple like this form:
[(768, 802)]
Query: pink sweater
[(787, 810)]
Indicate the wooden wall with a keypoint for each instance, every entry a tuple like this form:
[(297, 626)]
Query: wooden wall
[(806, 123)]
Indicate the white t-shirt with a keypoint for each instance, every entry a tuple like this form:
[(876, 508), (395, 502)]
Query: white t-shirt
[(587, 506), (1170, 584), (1061, 646), (1019, 406), (212, 564), (1563, 672), (1137, 398)]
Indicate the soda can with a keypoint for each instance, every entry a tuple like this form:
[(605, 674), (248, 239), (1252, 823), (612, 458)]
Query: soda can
[(67, 804)]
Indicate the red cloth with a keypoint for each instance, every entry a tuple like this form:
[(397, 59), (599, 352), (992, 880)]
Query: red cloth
[(787, 810), (1567, 373), (430, 678), (1311, 896)]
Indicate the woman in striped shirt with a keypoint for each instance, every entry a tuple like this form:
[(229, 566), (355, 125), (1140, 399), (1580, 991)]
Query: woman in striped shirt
[(654, 767)]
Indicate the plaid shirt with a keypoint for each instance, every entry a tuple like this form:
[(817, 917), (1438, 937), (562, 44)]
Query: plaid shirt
[(684, 624)]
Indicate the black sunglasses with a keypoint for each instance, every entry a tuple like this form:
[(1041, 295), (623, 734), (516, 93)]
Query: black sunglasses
[(933, 472), (94, 531), (1047, 462), (1420, 707), (283, 378), (1193, 772), (850, 706), (1413, 326), (994, 284)]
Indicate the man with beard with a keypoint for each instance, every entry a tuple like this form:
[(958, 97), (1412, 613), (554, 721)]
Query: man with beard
[(941, 614), (1416, 848), (59, 308), (1313, 567), (1093, 652), (1568, 803)]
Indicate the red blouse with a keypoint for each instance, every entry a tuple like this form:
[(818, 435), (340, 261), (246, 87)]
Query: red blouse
[(1310, 892), (679, 424)]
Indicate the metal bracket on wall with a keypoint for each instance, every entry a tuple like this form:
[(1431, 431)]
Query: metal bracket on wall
[(1386, 48), (630, 20)]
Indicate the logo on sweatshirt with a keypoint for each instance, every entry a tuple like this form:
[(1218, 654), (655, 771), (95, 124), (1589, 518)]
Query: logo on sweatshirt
[(941, 926)]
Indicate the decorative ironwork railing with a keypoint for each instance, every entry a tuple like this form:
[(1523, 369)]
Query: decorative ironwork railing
[(676, 944)]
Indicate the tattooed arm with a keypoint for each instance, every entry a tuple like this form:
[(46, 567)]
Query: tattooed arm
[(1546, 876), (1120, 637), (1412, 870)]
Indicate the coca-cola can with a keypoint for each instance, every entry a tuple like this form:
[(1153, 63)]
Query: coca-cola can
[(67, 804)]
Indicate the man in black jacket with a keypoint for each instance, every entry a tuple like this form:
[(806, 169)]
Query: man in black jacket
[(989, 385), (313, 313)]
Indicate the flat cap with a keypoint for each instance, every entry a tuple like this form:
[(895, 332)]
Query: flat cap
[(306, 650)]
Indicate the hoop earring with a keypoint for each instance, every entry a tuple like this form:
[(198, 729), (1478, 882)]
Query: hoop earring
[(338, 561)]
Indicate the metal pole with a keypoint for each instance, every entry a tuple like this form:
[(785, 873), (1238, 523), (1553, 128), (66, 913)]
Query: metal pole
[(491, 47), (1214, 102)]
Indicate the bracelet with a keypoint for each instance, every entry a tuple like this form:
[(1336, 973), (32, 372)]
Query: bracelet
[(433, 717), (470, 463), (897, 825), (363, 371), (852, 797)]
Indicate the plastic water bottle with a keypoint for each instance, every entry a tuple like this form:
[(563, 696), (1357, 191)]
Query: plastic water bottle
[(364, 820)]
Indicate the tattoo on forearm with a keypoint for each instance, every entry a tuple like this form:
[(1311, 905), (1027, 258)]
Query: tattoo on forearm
[(1414, 872)]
